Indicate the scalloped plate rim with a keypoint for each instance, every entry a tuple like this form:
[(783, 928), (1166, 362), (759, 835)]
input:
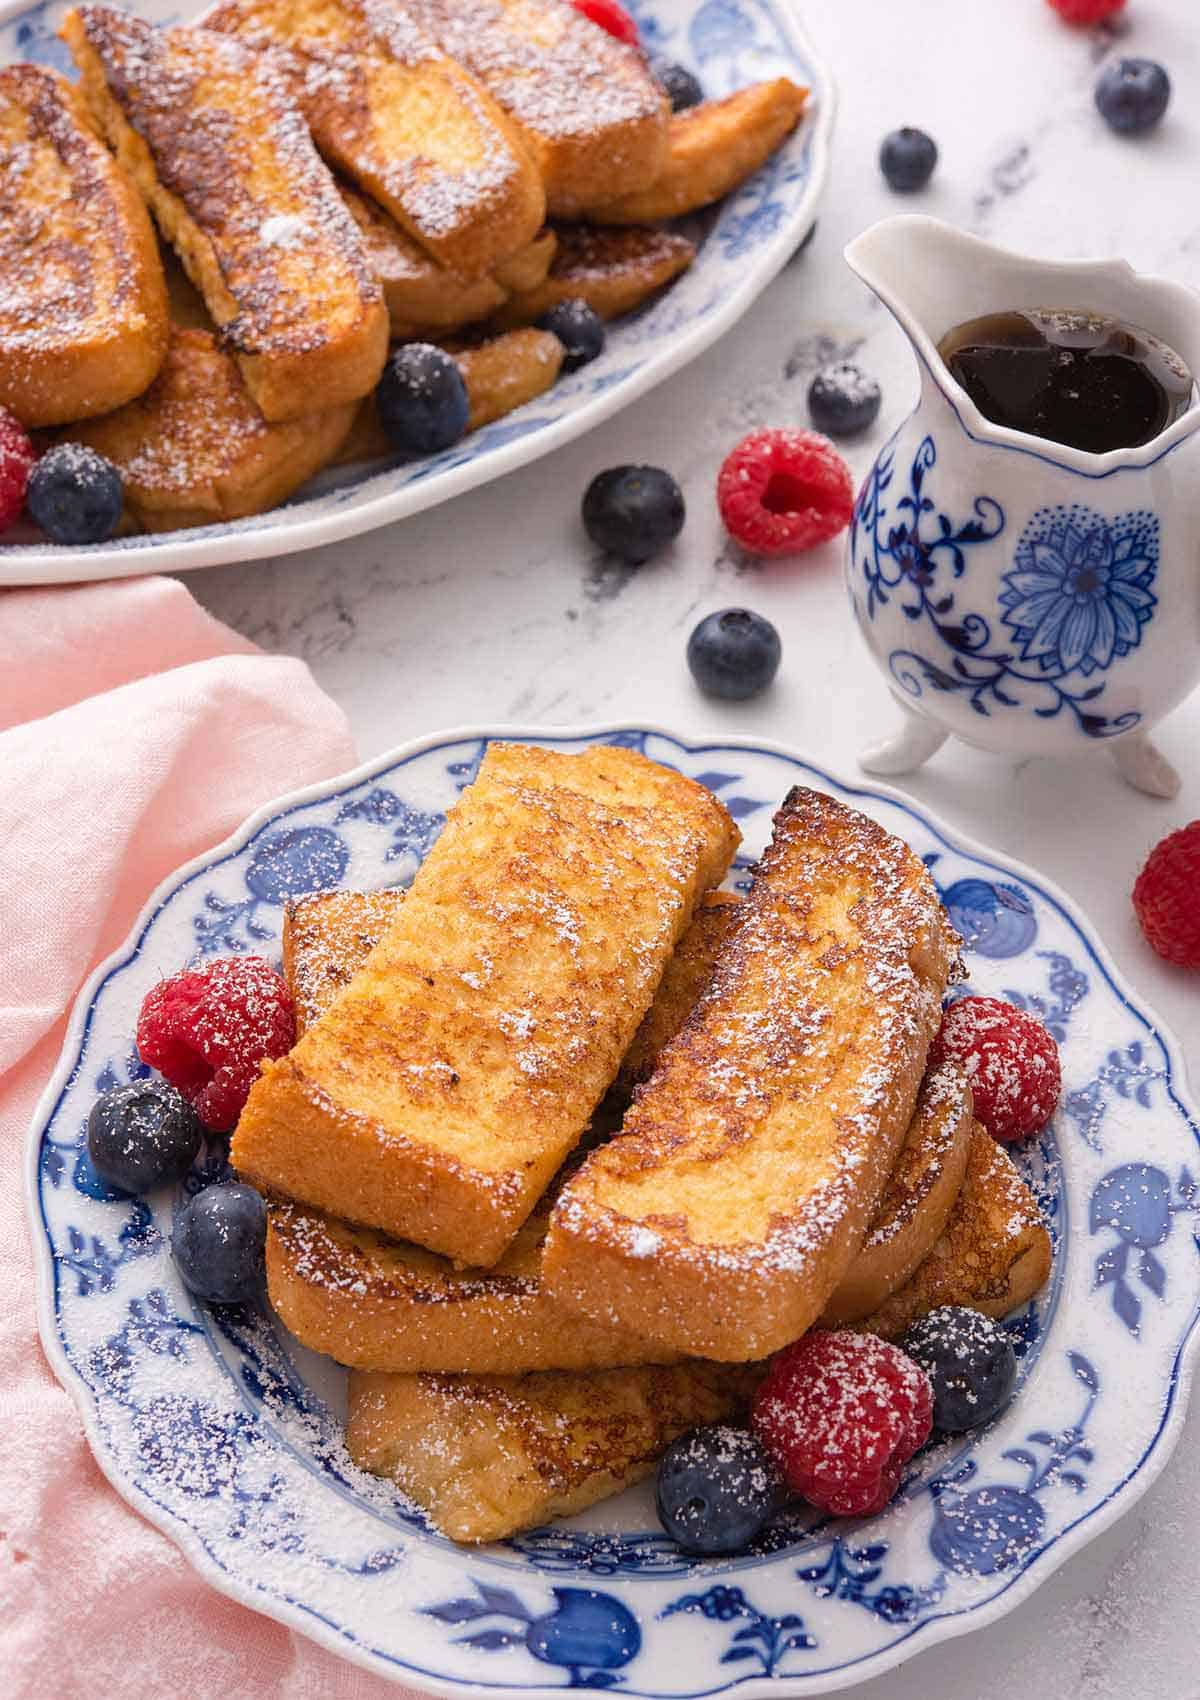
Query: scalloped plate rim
[(306, 1619), (29, 564)]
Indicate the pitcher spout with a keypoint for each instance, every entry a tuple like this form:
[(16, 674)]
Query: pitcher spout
[(932, 278)]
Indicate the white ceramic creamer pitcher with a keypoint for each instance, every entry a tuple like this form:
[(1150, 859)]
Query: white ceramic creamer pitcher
[(1028, 597)]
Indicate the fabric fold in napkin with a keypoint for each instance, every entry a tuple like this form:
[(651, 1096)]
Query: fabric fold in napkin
[(135, 732)]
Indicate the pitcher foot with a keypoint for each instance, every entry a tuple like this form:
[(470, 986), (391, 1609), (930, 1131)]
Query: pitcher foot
[(1143, 765), (909, 748)]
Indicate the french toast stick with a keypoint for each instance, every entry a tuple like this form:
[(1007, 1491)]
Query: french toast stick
[(711, 149), (377, 1303), (486, 1456), (194, 449), (994, 1255), (83, 306), (744, 1180), (444, 1086), (209, 132), (406, 122), (421, 295), (585, 105), (917, 1200), (613, 269)]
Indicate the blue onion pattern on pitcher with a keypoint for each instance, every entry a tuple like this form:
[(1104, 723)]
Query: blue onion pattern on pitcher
[(1075, 600)]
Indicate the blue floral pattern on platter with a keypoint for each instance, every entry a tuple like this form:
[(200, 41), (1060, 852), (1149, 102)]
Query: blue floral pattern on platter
[(742, 243), (225, 1432), (1075, 600)]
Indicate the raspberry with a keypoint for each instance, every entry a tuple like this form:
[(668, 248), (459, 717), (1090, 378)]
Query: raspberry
[(207, 1029), (841, 1414), (1167, 897), (783, 491), (1087, 11), (611, 17), (16, 463), (1010, 1060)]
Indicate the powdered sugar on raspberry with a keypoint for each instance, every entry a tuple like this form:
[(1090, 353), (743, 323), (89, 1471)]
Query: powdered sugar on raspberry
[(16, 463), (1010, 1060), (841, 1414), (208, 1029)]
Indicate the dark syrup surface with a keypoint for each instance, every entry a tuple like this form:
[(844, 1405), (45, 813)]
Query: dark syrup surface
[(1077, 378)]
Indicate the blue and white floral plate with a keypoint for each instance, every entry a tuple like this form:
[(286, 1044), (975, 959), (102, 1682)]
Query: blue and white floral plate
[(729, 43), (224, 1432)]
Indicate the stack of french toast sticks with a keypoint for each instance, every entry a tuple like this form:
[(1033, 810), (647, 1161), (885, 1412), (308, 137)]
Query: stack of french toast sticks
[(326, 177), (570, 1140)]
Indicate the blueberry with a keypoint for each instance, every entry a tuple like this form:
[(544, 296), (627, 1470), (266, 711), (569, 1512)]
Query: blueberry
[(633, 511), (1132, 95), (843, 400), (580, 330), (422, 399), (970, 1361), (219, 1243), (141, 1135), (907, 158), (681, 86), (75, 495), (734, 653), (717, 1489)]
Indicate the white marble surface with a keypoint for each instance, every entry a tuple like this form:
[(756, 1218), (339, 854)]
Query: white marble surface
[(496, 609)]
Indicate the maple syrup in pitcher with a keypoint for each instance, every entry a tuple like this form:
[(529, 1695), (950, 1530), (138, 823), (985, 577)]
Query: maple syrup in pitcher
[(1074, 377)]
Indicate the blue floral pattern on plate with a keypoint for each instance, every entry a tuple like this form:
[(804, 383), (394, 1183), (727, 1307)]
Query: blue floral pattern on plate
[(743, 243), (225, 1432)]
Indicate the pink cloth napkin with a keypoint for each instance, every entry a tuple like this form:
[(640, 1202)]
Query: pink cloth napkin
[(135, 730)]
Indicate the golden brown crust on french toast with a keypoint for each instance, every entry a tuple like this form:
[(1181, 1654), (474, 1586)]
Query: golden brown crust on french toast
[(326, 939), (585, 105), (528, 266), (711, 149), (194, 449), (83, 306), (749, 1167), (613, 269), (422, 296), (209, 132), (410, 125), (994, 1255), (442, 1089), (381, 1304), (485, 1456), (685, 980), (917, 1200)]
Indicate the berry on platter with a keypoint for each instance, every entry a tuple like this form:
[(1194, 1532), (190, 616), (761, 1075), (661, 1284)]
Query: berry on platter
[(1087, 11), (219, 1244), (422, 399), (208, 1028), (633, 511), (970, 1363), (783, 491), (141, 1135), (1132, 95), (843, 400), (75, 495), (841, 1414), (717, 1489), (17, 460), (579, 328), (681, 86), (1166, 897), (611, 16), (907, 158), (1010, 1060), (734, 654)]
